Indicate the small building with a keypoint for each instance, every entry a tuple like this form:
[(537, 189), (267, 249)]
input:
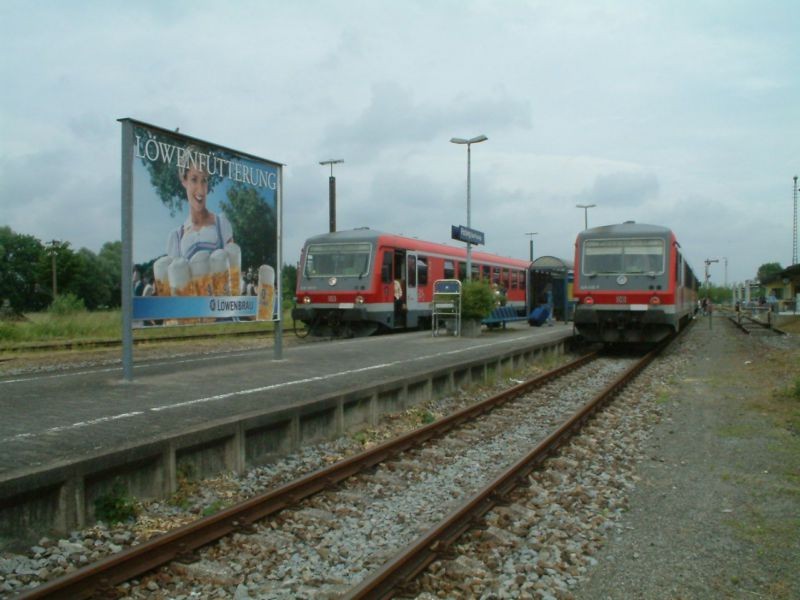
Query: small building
[(786, 287), (559, 274)]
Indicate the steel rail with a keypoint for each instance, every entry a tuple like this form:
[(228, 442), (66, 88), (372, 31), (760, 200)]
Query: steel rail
[(437, 543), (99, 579)]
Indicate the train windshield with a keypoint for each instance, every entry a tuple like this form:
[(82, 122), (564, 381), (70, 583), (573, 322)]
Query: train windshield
[(629, 256), (337, 260)]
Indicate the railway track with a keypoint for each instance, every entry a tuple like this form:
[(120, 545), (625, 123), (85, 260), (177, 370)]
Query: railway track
[(341, 526)]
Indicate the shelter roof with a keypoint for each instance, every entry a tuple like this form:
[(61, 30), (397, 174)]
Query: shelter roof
[(552, 263)]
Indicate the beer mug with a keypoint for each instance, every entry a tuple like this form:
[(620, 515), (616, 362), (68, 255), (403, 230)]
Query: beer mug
[(266, 292), (220, 284), (200, 268), (235, 267), (180, 278), (161, 275)]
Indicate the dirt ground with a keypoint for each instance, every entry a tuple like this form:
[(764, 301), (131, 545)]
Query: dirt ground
[(717, 511)]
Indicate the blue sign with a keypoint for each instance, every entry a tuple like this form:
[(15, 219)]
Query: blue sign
[(179, 307), (465, 234)]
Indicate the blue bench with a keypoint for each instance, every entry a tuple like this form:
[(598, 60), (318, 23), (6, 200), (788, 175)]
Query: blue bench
[(502, 315)]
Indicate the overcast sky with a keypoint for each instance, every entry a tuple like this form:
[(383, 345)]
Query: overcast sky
[(683, 114)]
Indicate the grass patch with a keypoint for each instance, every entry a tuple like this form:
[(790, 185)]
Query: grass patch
[(213, 508), (82, 325), (739, 430), (663, 397)]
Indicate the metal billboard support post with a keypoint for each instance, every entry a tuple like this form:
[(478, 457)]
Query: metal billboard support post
[(278, 332), (127, 251)]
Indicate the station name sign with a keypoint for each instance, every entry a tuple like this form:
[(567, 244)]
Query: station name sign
[(465, 234)]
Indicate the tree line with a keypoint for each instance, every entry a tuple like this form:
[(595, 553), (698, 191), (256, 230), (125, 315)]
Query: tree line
[(33, 273)]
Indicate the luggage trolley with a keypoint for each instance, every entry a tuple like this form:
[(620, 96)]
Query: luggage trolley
[(446, 306)]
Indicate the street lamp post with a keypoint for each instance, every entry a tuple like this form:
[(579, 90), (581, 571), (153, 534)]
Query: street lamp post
[(469, 142), (585, 208), (532, 233), (332, 193)]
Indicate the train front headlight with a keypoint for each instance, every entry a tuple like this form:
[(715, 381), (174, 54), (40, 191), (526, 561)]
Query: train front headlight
[(306, 299), (588, 300), (359, 299), (655, 300)]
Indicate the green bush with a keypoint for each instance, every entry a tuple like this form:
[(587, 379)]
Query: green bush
[(477, 300), (67, 304), (116, 506)]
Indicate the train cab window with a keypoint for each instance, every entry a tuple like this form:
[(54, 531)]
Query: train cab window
[(631, 256), (422, 270), (386, 267), (412, 271), (327, 260), (449, 269)]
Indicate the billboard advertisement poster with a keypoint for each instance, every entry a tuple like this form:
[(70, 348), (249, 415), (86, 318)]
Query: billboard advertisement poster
[(205, 230)]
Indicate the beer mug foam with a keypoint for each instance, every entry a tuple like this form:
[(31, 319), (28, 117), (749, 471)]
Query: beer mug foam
[(200, 268), (180, 278), (266, 292), (161, 275), (219, 273), (235, 265)]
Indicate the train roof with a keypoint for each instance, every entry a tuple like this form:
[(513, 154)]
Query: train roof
[(626, 229), (365, 234)]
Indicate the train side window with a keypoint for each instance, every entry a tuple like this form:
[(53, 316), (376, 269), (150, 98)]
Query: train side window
[(514, 280), (486, 272), (386, 266), (462, 271), (449, 269), (422, 269)]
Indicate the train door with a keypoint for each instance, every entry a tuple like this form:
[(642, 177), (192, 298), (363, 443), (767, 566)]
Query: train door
[(400, 305), (412, 296)]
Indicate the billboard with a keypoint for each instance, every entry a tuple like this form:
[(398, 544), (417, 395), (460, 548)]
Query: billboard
[(205, 229)]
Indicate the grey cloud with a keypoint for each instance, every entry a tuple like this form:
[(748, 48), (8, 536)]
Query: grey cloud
[(621, 189), (393, 116)]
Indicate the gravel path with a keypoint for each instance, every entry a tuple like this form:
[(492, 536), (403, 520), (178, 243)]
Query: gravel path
[(716, 513)]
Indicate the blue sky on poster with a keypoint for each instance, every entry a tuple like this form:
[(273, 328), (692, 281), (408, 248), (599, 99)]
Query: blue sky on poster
[(676, 113)]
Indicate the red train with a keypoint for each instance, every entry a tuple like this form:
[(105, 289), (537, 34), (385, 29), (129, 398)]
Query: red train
[(346, 280), (632, 284)]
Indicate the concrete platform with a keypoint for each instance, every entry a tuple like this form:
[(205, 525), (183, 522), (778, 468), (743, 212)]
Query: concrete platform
[(66, 437)]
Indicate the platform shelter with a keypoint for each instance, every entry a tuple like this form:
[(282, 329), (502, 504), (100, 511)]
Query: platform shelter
[(558, 273)]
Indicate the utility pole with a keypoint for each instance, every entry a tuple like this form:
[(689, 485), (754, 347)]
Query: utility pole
[(708, 299), (794, 227), (54, 246)]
